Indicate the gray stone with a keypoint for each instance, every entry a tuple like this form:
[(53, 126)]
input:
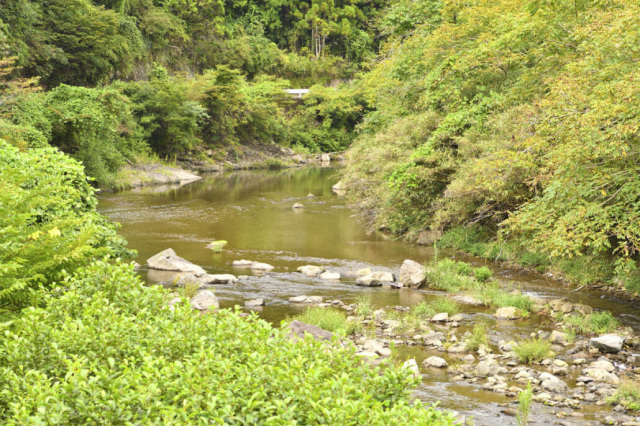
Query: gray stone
[(611, 343), (168, 260), (241, 263), (412, 274), (441, 317), (602, 376), (204, 301), (257, 266), (299, 330), (311, 270), (254, 303), (368, 281), (313, 299), (182, 280), (488, 367), (385, 277), (508, 313), (298, 299), (559, 338), (435, 362), (552, 383)]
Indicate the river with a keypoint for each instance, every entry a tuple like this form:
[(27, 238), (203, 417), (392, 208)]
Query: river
[(252, 210)]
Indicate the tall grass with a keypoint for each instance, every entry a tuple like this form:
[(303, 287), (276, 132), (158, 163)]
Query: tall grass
[(329, 319), (598, 322)]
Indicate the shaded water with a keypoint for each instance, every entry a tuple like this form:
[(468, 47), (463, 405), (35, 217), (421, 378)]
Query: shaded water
[(253, 211)]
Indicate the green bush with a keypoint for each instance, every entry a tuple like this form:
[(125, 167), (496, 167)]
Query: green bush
[(48, 223), (482, 274), (531, 350), (443, 275), (464, 269), (108, 351), (328, 319), (441, 304)]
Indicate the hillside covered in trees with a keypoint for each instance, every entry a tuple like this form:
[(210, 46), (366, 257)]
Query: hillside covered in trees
[(111, 82)]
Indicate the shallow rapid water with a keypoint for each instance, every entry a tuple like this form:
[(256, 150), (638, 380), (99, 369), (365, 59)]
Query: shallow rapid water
[(252, 210)]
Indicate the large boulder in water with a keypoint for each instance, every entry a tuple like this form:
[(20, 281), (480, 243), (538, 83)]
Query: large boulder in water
[(168, 260), (611, 343), (311, 270), (412, 274)]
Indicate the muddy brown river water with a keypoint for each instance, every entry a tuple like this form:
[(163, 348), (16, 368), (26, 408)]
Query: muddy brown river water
[(252, 210)]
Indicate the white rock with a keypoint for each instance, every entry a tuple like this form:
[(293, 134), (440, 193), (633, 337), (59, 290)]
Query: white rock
[(412, 274), (552, 383), (330, 276), (297, 206), (298, 299), (261, 266), (441, 317), (205, 300), (311, 270), (435, 362), (241, 263), (219, 279), (559, 338), (508, 313), (254, 303), (368, 281), (168, 260), (611, 343), (313, 299)]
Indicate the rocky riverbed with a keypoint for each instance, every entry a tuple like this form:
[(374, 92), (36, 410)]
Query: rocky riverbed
[(577, 376)]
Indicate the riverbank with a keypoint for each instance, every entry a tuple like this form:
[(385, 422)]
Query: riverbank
[(247, 157)]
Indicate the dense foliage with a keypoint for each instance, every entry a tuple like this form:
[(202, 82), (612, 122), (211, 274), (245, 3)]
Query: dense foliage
[(48, 223), (108, 350), (85, 42), (520, 117)]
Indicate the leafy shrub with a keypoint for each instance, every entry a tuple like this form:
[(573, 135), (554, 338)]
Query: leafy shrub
[(628, 395), (525, 397), (464, 269), (107, 350), (328, 319), (478, 337), (444, 276), (531, 350), (94, 126), (48, 223), (363, 307), (482, 274)]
